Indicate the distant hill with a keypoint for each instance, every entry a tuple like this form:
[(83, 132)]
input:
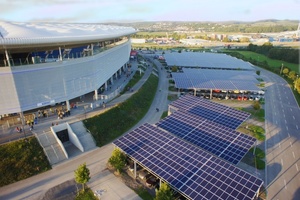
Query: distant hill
[(268, 25)]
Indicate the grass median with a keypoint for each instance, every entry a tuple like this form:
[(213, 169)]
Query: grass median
[(116, 121)]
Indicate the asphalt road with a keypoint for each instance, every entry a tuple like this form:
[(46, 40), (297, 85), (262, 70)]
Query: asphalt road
[(282, 143)]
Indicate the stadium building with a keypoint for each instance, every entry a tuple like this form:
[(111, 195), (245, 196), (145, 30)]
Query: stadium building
[(43, 64)]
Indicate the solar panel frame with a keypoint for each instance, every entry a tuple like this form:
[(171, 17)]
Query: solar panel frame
[(194, 172)]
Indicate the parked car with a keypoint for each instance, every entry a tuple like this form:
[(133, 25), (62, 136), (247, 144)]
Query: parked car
[(240, 98), (245, 98), (131, 166), (151, 180), (251, 98), (143, 174), (257, 98)]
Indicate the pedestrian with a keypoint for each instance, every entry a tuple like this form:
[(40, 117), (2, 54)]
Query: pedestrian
[(18, 129)]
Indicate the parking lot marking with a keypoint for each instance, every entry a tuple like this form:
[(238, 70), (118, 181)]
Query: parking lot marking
[(293, 155), (297, 167), (293, 117), (279, 145), (285, 184), (289, 134), (285, 122), (290, 109), (297, 127), (281, 162), (287, 128)]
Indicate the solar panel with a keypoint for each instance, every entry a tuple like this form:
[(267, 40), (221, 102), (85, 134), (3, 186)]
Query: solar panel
[(193, 172), (216, 79), (219, 113), (205, 60), (213, 137)]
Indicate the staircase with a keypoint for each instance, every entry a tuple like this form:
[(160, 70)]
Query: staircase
[(52, 149), (83, 135)]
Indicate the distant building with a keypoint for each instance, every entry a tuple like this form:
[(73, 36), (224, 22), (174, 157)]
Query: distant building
[(138, 40)]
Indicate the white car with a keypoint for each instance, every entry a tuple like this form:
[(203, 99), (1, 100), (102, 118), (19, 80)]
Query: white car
[(257, 98)]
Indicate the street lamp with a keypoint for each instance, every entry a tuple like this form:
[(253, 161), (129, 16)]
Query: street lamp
[(23, 122), (296, 80)]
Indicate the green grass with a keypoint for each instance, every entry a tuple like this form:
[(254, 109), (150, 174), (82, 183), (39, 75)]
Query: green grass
[(172, 88), (253, 130), (165, 114), (256, 160), (144, 194), (21, 159), (86, 195), (113, 123), (256, 114), (172, 97), (262, 58), (135, 78)]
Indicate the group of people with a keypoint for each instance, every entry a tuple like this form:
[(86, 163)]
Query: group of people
[(61, 114)]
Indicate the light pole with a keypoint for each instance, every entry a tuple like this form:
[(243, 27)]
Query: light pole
[(23, 122), (296, 80)]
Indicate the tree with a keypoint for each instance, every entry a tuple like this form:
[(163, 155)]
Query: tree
[(164, 193), (82, 175), (117, 159), (174, 69), (256, 105), (285, 71), (292, 75), (297, 84)]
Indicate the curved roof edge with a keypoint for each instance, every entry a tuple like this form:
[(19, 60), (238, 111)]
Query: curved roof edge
[(14, 34)]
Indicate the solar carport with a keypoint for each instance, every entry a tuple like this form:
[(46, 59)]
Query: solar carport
[(192, 169), (208, 79), (205, 61)]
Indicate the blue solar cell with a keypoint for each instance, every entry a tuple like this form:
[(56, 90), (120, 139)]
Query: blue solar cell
[(183, 176)]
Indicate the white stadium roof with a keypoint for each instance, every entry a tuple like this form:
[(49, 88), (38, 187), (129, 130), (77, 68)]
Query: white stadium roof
[(15, 34)]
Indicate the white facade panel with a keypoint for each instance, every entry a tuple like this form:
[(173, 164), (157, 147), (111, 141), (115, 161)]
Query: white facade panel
[(47, 83)]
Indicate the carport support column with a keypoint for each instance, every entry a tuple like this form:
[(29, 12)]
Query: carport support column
[(195, 92), (7, 58), (96, 95), (60, 56), (210, 93), (134, 169)]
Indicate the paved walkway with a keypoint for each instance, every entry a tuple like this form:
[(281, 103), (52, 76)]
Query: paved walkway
[(35, 187)]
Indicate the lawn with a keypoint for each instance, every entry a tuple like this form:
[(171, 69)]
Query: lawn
[(272, 63), (21, 159), (113, 123)]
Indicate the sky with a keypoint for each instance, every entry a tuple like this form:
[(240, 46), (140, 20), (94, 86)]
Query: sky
[(103, 11)]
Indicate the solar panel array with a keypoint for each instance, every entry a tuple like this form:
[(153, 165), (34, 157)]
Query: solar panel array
[(192, 171), (216, 79), (212, 111), (213, 137), (205, 60)]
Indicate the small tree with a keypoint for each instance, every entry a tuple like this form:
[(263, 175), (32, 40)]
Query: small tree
[(164, 193), (256, 105), (82, 175), (285, 71), (117, 160)]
